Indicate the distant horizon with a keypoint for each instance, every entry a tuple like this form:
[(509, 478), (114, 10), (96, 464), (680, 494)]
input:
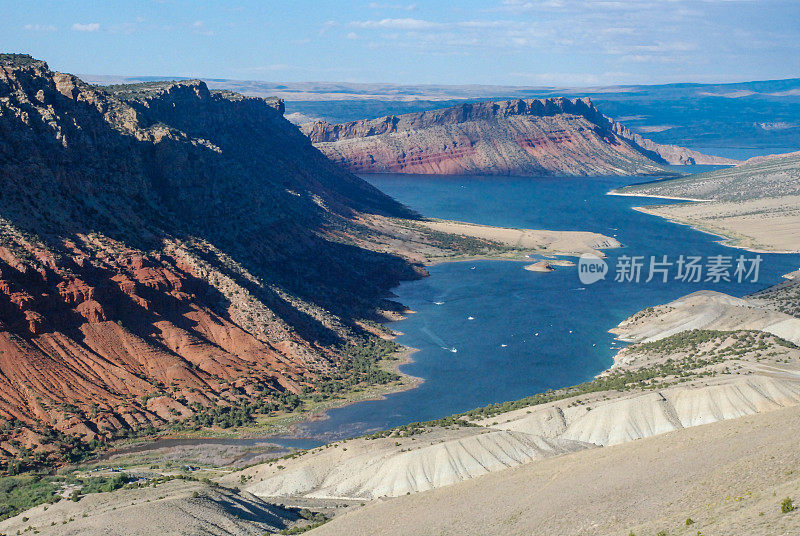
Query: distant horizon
[(156, 78), (562, 43)]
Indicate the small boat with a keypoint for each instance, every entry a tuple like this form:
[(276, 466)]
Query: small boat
[(570, 331), (536, 334), (472, 268), (438, 303), (470, 318), (503, 345), (454, 350)]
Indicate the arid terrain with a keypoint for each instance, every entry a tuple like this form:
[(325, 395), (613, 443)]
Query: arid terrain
[(671, 380), (755, 205), (555, 136), (695, 364), (693, 429), (534, 240), (727, 478)]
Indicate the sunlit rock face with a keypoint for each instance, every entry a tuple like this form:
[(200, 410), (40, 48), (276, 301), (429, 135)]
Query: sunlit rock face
[(556, 136)]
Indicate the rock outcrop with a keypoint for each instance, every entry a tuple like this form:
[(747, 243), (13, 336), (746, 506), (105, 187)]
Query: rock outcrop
[(556, 136), (167, 250)]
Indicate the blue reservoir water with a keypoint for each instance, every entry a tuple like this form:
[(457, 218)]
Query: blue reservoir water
[(530, 331)]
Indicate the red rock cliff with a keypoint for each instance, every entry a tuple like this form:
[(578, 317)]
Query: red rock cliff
[(524, 136)]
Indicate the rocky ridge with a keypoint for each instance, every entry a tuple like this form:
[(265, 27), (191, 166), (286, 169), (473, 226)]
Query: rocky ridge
[(556, 136), (166, 251)]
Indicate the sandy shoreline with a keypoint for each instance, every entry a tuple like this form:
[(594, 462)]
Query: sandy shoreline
[(754, 206), (570, 243), (725, 240), (674, 198)]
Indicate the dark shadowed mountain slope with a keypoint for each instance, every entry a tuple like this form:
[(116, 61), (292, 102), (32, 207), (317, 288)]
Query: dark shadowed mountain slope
[(169, 253)]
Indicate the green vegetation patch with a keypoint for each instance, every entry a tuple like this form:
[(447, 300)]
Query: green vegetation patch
[(17, 60), (317, 519), (20, 493)]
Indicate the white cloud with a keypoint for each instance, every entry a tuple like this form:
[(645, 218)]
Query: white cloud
[(397, 24), (649, 58), (352, 35), (523, 5), (646, 36), (86, 27), (39, 28), (419, 25)]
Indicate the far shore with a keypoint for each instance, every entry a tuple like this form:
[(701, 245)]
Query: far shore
[(766, 225), (674, 198), (725, 240), (526, 241)]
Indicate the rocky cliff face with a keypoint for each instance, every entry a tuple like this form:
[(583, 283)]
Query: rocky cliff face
[(524, 136), (166, 251)]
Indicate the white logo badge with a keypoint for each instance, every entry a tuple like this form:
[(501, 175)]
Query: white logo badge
[(591, 269)]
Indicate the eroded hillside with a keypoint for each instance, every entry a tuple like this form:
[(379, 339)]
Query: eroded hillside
[(169, 253)]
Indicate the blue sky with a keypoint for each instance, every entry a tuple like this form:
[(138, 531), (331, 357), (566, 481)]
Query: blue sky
[(516, 42)]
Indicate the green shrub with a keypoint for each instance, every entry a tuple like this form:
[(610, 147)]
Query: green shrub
[(787, 506)]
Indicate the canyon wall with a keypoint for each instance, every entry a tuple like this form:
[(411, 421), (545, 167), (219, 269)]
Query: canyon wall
[(554, 136), (167, 251)]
